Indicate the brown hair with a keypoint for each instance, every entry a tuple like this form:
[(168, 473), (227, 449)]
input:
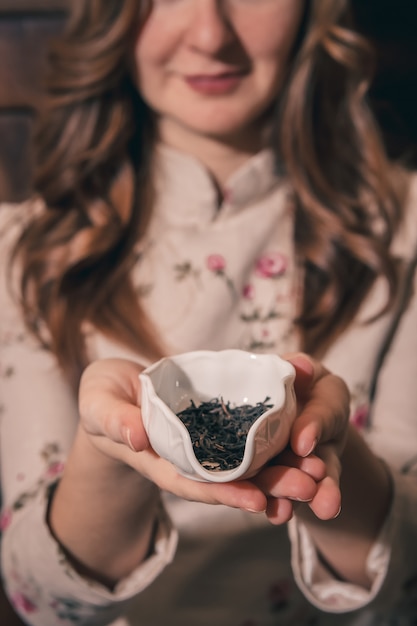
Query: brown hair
[(93, 158), (347, 202)]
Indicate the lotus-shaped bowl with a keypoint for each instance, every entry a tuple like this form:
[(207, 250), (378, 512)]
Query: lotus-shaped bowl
[(236, 377)]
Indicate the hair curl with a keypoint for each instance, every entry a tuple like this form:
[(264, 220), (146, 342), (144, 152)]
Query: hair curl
[(348, 204), (94, 146)]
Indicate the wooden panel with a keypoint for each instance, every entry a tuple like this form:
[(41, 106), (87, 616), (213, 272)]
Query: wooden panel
[(15, 165), (32, 5), (23, 43)]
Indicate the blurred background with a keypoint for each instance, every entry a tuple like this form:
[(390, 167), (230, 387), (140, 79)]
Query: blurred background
[(26, 26)]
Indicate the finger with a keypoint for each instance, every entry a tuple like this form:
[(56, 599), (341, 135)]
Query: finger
[(237, 494), (312, 465), (108, 402), (326, 406), (306, 372), (279, 511), (286, 482), (119, 421), (326, 503)]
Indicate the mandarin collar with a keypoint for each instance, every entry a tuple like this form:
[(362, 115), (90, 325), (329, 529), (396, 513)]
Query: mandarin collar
[(186, 189)]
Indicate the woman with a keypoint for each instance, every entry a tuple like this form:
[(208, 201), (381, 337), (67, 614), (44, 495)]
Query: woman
[(209, 176)]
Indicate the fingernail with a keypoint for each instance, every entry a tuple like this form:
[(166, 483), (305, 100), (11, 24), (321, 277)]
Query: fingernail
[(311, 449), (255, 510), (127, 437), (304, 364), (338, 513)]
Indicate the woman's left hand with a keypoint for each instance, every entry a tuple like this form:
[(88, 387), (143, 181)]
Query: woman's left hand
[(316, 443)]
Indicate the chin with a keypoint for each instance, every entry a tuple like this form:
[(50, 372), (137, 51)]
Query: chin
[(225, 130)]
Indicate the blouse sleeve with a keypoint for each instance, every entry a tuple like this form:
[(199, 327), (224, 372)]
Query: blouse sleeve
[(392, 561), (38, 414)]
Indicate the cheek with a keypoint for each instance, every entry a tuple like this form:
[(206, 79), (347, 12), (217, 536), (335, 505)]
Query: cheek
[(154, 46), (270, 56), (272, 38)]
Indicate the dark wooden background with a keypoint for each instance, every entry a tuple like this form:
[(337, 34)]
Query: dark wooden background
[(25, 28)]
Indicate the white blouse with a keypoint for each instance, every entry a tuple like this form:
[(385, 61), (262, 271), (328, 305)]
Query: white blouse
[(211, 275)]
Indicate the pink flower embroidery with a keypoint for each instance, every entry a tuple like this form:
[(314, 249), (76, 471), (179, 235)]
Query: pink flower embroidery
[(23, 603), (248, 292), (216, 263), (5, 519), (54, 469), (271, 265), (360, 416)]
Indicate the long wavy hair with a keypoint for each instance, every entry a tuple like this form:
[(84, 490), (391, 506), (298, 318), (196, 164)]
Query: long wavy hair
[(93, 158)]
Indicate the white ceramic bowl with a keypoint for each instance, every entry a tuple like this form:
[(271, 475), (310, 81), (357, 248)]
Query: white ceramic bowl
[(238, 377)]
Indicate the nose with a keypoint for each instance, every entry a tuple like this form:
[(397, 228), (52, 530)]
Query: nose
[(209, 29)]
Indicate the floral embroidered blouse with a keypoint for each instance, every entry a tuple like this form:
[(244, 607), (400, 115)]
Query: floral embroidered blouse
[(212, 274)]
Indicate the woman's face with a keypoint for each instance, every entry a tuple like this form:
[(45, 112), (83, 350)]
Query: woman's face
[(214, 67)]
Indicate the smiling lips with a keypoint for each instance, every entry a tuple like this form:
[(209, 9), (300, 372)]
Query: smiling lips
[(215, 84)]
